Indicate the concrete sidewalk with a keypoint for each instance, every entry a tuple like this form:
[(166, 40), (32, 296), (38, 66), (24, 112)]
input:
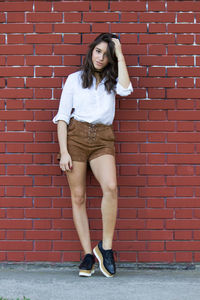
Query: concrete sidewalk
[(47, 283)]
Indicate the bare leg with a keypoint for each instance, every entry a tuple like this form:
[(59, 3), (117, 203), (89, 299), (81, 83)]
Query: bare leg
[(104, 170), (77, 182)]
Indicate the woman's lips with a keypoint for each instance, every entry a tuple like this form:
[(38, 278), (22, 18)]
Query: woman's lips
[(99, 63)]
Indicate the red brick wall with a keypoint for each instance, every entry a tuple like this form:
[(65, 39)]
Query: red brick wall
[(158, 138)]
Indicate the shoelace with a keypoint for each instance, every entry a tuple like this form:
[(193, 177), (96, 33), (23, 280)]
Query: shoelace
[(109, 256)]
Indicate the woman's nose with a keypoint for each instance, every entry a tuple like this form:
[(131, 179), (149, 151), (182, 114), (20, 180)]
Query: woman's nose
[(101, 56)]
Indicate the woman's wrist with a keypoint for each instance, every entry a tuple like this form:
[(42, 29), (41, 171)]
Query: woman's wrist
[(120, 58), (64, 152)]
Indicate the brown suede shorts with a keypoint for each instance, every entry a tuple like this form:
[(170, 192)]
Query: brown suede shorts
[(86, 141)]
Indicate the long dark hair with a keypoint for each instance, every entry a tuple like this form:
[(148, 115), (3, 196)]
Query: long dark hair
[(110, 72)]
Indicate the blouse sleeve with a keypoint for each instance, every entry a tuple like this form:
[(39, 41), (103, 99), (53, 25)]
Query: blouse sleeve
[(120, 90), (66, 102)]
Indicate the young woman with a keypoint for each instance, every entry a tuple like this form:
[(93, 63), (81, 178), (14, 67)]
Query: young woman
[(84, 125)]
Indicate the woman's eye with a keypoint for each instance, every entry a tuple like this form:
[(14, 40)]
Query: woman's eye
[(98, 51)]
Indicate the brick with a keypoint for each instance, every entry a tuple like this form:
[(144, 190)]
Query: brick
[(127, 6), (156, 170), (43, 28), (42, 82), (43, 256), (157, 17), (43, 6), (10, 93), (11, 60), (128, 17), (43, 213), (157, 49), (18, 28), (154, 28), (17, 71), (43, 49), (16, 137), (17, 49), (157, 60), (16, 224), (71, 256), (155, 213), (183, 235), (15, 147), (70, 49), (17, 6), (184, 6), (182, 72), (128, 27), (185, 39), (182, 224), (185, 17), (42, 202), (157, 126), (100, 17), (2, 82), (99, 6), (186, 82), (16, 115), (72, 28), (184, 213), (185, 61), (159, 148), (157, 82), (15, 256), (71, 6), (157, 39), (15, 82), (184, 257), (14, 17), (11, 202), (100, 27), (179, 245), (183, 159), (16, 180), (183, 137), (183, 50), (14, 191), (42, 191), (15, 39), (43, 39), (15, 213), (156, 192), (44, 17), (42, 235), (2, 17)]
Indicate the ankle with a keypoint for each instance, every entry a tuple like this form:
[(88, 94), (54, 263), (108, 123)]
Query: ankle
[(106, 246)]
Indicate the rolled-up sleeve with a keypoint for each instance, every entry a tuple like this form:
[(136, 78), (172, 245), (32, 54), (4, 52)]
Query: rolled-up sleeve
[(66, 102), (120, 90)]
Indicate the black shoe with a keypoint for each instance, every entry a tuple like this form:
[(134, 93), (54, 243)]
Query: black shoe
[(87, 265), (106, 260)]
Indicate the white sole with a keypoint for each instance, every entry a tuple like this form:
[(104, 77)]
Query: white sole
[(97, 253), (86, 273)]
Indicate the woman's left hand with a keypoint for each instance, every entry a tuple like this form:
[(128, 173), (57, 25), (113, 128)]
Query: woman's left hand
[(118, 48)]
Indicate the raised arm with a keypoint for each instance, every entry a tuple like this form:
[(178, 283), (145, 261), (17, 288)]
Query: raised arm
[(123, 77)]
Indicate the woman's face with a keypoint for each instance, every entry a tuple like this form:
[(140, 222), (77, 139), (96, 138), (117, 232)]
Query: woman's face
[(99, 56)]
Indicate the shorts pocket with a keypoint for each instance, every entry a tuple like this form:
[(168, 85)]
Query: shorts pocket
[(108, 134)]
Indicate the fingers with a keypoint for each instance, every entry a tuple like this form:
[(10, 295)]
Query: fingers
[(118, 50), (66, 166), (116, 41)]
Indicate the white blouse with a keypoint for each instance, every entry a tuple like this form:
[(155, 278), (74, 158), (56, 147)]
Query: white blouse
[(89, 104)]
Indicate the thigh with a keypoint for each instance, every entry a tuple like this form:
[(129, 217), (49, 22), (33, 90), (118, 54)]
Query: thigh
[(77, 178), (104, 169)]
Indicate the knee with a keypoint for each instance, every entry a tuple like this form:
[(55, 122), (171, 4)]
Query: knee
[(78, 198), (110, 188)]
